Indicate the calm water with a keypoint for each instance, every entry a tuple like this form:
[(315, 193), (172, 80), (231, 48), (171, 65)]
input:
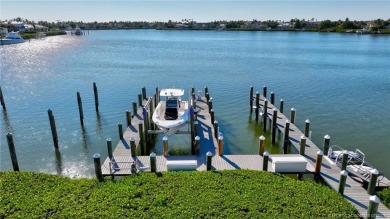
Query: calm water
[(340, 82)]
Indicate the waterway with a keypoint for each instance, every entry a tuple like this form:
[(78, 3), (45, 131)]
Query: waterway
[(340, 82)]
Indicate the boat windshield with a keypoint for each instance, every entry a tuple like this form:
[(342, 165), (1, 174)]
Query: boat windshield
[(171, 103)]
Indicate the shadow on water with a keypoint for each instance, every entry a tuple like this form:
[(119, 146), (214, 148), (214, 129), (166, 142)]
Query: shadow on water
[(99, 124), (7, 123), (59, 166), (84, 140)]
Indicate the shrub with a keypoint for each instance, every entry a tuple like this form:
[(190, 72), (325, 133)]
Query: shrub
[(224, 194)]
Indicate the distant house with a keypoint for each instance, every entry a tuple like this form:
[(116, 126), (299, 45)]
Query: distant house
[(18, 26), (284, 25), (222, 27), (41, 28)]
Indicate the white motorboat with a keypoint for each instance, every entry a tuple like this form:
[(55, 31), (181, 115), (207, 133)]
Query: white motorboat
[(171, 113), (356, 164), (12, 38), (78, 31)]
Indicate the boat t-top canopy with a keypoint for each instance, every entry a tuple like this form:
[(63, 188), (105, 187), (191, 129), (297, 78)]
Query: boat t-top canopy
[(172, 92)]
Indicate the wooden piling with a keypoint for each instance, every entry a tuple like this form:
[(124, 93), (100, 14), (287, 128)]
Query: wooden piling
[(345, 160), (157, 96), (12, 152), (120, 130), (261, 145), (192, 131), (134, 108), (307, 128), (109, 148), (133, 147), (140, 100), (141, 137), (302, 145), (144, 93), (98, 167), (210, 104), (216, 131), (212, 116), (372, 207), (274, 125), (220, 145), (342, 182), (165, 145), (128, 117), (292, 115), (265, 161), (251, 99), (209, 156), (318, 163), (286, 138), (53, 128), (272, 98), (373, 178), (281, 107), (197, 145), (257, 106), (207, 95), (196, 128), (265, 91), (95, 92), (206, 90), (2, 99), (265, 114), (326, 144), (153, 163), (80, 108)]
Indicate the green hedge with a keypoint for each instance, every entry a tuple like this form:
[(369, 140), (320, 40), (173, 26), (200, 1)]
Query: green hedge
[(384, 196), (223, 194)]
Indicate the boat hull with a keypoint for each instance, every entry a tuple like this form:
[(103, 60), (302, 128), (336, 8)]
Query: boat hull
[(170, 126), (11, 41)]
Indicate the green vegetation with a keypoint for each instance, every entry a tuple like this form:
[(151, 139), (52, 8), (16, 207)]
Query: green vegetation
[(226, 194), (384, 196), (33, 34)]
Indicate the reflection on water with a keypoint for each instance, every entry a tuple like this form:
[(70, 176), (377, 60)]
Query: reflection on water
[(99, 125), (84, 140)]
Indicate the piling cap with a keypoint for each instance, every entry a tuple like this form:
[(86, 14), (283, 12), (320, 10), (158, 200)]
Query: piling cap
[(132, 139), (275, 109), (197, 138), (327, 137), (265, 100), (293, 109), (212, 110), (265, 154), (209, 154), (262, 138), (109, 139), (9, 134), (97, 155), (165, 138), (281, 100), (307, 121), (211, 99), (345, 152), (220, 138), (152, 154), (257, 92), (215, 121), (374, 172), (140, 122), (196, 122), (303, 137), (320, 153), (375, 199), (344, 173), (287, 121)]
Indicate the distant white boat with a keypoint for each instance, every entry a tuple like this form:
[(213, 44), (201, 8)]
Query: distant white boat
[(78, 31), (171, 113), (12, 38)]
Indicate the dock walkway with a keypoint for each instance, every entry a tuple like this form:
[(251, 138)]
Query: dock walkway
[(353, 192)]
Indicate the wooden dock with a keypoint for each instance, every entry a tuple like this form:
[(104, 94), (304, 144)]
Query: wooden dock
[(123, 158), (353, 192)]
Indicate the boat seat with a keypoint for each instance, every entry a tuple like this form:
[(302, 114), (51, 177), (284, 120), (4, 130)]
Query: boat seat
[(171, 114)]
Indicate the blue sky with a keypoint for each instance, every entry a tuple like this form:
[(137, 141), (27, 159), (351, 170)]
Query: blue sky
[(200, 11)]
